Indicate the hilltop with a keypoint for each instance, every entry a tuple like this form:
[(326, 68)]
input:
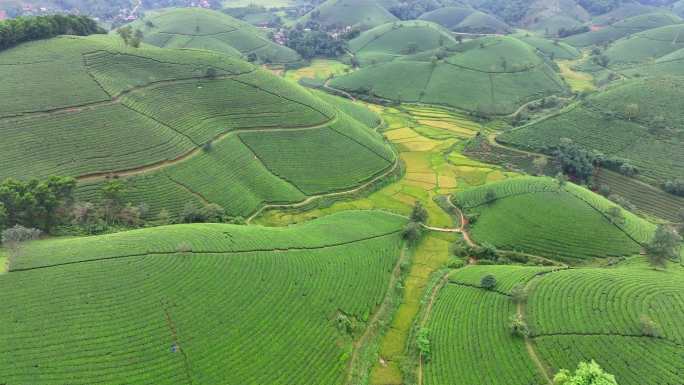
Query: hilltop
[(339, 14), (490, 75), (199, 28), (466, 20), (177, 127), (623, 28)]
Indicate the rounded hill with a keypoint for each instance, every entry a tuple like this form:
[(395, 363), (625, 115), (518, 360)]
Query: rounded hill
[(177, 127), (647, 46), (393, 40), (466, 20), (211, 30), (623, 28), (340, 14), (491, 75)]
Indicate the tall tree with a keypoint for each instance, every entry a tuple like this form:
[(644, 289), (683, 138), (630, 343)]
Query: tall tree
[(666, 244), (586, 374)]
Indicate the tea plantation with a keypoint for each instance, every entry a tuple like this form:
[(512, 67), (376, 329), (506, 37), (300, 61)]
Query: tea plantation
[(175, 134), (198, 28), (182, 304), (532, 215), (491, 75)]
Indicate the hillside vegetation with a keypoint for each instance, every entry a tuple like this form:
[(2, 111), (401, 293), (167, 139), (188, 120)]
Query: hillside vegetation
[(534, 216), (173, 132), (647, 46), (571, 315), (181, 304), (199, 28), (623, 28), (636, 120), (362, 14), (466, 20), (491, 75)]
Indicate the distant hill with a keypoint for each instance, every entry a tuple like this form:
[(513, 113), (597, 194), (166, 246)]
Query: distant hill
[(551, 16), (176, 126), (206, 29), (491, 75), (363, 14), (393, 40), (551, 48), (462, 19), (647, 46), (623, 28)]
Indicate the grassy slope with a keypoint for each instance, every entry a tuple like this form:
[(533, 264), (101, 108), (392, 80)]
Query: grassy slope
[(156, 109), (497, 78), (658, 155), (531, 215), (468, 20), (595, 314), (206, 29), (252, 299), (647, 46), (364, 14)]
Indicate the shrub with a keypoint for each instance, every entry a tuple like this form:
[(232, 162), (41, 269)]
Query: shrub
[(648, 327), (18, 234), (184, 247), (519, 293), (412, 232), (666, 244), (423, 342), (519, 327), (419, 214), (586, 374), (488, 282)]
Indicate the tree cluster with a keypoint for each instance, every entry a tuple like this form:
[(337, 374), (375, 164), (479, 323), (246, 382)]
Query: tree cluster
[(130, 37), (414, 229), (574, 160), (586, 374), (23, 29), (412, 9), (674, 187), (310, 40)]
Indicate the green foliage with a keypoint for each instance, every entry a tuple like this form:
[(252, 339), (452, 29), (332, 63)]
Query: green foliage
[(338, 14), (23, 29), (412, 233), (35, 203), (666, 244), (310, 41), (466, 20), (519, 327), (419, 214), (423, 342), (586, 374), (198, 290), (488, 282)]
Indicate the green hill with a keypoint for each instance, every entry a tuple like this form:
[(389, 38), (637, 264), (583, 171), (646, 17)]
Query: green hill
[(623, 28), (200, 28), (647, 46), (363, 14), (548, 17), (180, 304), (492, 75), (467, 20), (392, 40), (555, 49), (173, 133), (533, 216), (650, 137), (573, 315)]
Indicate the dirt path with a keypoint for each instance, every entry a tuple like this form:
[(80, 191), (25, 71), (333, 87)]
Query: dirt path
[(373, 322), (326, 85), (426, 317)]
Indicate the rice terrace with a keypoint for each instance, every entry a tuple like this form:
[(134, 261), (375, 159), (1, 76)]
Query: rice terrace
[(342, 192)]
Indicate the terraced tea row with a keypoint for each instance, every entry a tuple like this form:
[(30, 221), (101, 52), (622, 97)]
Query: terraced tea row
[(469, 330), (183, 317), (533, 215), (626, 318)]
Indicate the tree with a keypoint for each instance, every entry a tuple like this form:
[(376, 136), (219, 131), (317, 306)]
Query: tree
[(18, 234), (137, 38), (164, 217), (419, 214), (616, 216), (648, 326), (112, 199), (519, 327), (252, 57), (586, 374), (490, 196), (562, 181), (412, 232), (666, 244), (126, 34), (519, 293), (631, 111), (540, 164), (423, 342), (210, 72), (488, 282)]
